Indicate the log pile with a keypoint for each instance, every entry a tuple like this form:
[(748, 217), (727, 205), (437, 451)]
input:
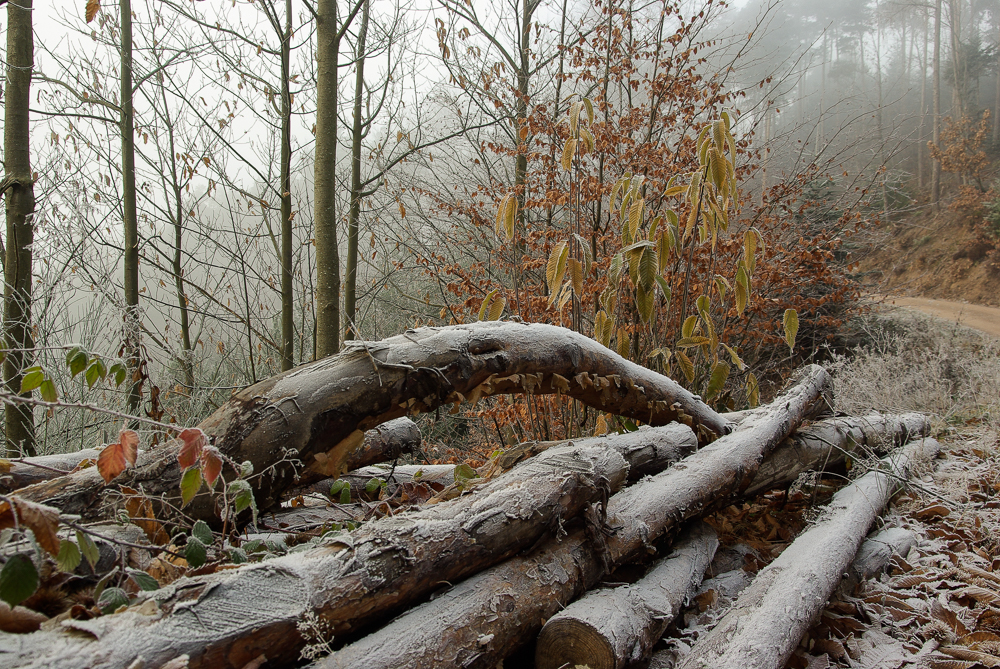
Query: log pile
[(534, 545)]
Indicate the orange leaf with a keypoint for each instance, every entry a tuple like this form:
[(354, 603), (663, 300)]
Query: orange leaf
[(42, 520), (140, 509), (129, 439), (194, 441), (111, 462), (91, 10), (211, 464)]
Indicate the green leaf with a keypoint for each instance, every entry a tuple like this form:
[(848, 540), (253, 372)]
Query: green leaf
[(647, 270), (644, 302), (143, 580), (95, 372), (204, 534), (687, 329), (703, 303), (791, 323), (688, 342), (464, 472), (242, 496), (735, 358), (111, 600), (88, 548), (33, 377), (246, 469), (238, 556), (373, 485), (76, 360), (341, 489), (664, 289), (195, 552), (716, 382), (48, 391), (69, 556), (190, 484), (119, 372), (18, 580)]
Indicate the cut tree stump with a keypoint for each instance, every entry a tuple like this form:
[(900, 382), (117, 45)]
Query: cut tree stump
[(314, 416), (613, 628), (229, 618), (483, 618), (772, 614)]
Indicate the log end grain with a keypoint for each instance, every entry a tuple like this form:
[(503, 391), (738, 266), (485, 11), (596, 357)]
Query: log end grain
[(569, 642)]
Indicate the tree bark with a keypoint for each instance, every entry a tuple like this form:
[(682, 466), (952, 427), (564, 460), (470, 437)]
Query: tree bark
[(874, 556), (19, 190), (354, 215), (828, 442), (287, 292), (771, 616), (617, 627), (480, 620), (133, 354), (325, 181), (353, 579), (321, 410), (936, 121)]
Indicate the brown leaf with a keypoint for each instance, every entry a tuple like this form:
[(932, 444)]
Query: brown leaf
[(19, 620), (193, 441), (211, 464), (140, 509), (42, 520), (129, 439), (91, 10), (111, 462)]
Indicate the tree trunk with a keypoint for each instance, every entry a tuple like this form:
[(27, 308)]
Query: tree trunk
[(351, 279), (936, 95), (874, 556), (922, 132), (483, 618), (19, 188), (325, 181), (617, 627), (321, 410), (771, 616), (133, 354), (287, 297), (352, 580), (827, 443)]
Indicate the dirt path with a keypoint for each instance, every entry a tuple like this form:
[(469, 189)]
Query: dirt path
[(985, 319)]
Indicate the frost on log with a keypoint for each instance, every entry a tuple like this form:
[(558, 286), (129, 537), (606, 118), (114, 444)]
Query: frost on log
[(315, 416)]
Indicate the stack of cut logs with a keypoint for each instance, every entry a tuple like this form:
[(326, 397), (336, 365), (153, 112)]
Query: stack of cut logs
[(505, 559)]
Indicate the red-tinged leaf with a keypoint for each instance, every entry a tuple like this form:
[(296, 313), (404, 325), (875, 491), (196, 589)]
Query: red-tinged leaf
[(129, 439), (91, 9), (193, 440), (42, 520), (111, 462), (211, 464)]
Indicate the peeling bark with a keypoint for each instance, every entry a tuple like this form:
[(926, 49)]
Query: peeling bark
[(481, 619), (617, 627), (354, 579), (771, 615), (316, 415)]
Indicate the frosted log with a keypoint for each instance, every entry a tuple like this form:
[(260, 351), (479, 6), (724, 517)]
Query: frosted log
[(771, 615), (484, 617), (314, 416), (616, 627)]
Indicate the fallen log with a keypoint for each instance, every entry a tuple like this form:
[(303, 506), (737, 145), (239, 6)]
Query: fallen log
[(875, 555), (616, 627), (771, 615), (828, 442), (315, 415), (28, 471), (481, 619), (229, 618)]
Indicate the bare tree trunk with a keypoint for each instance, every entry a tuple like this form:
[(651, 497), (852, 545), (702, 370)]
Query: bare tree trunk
[(473, 626), (322, 409), (936, 128), (287, 291), (996, 101), (327, 340), (131, 347), (357, 136), (922, 132), (19, 188), (617, 627), (771, 616)]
